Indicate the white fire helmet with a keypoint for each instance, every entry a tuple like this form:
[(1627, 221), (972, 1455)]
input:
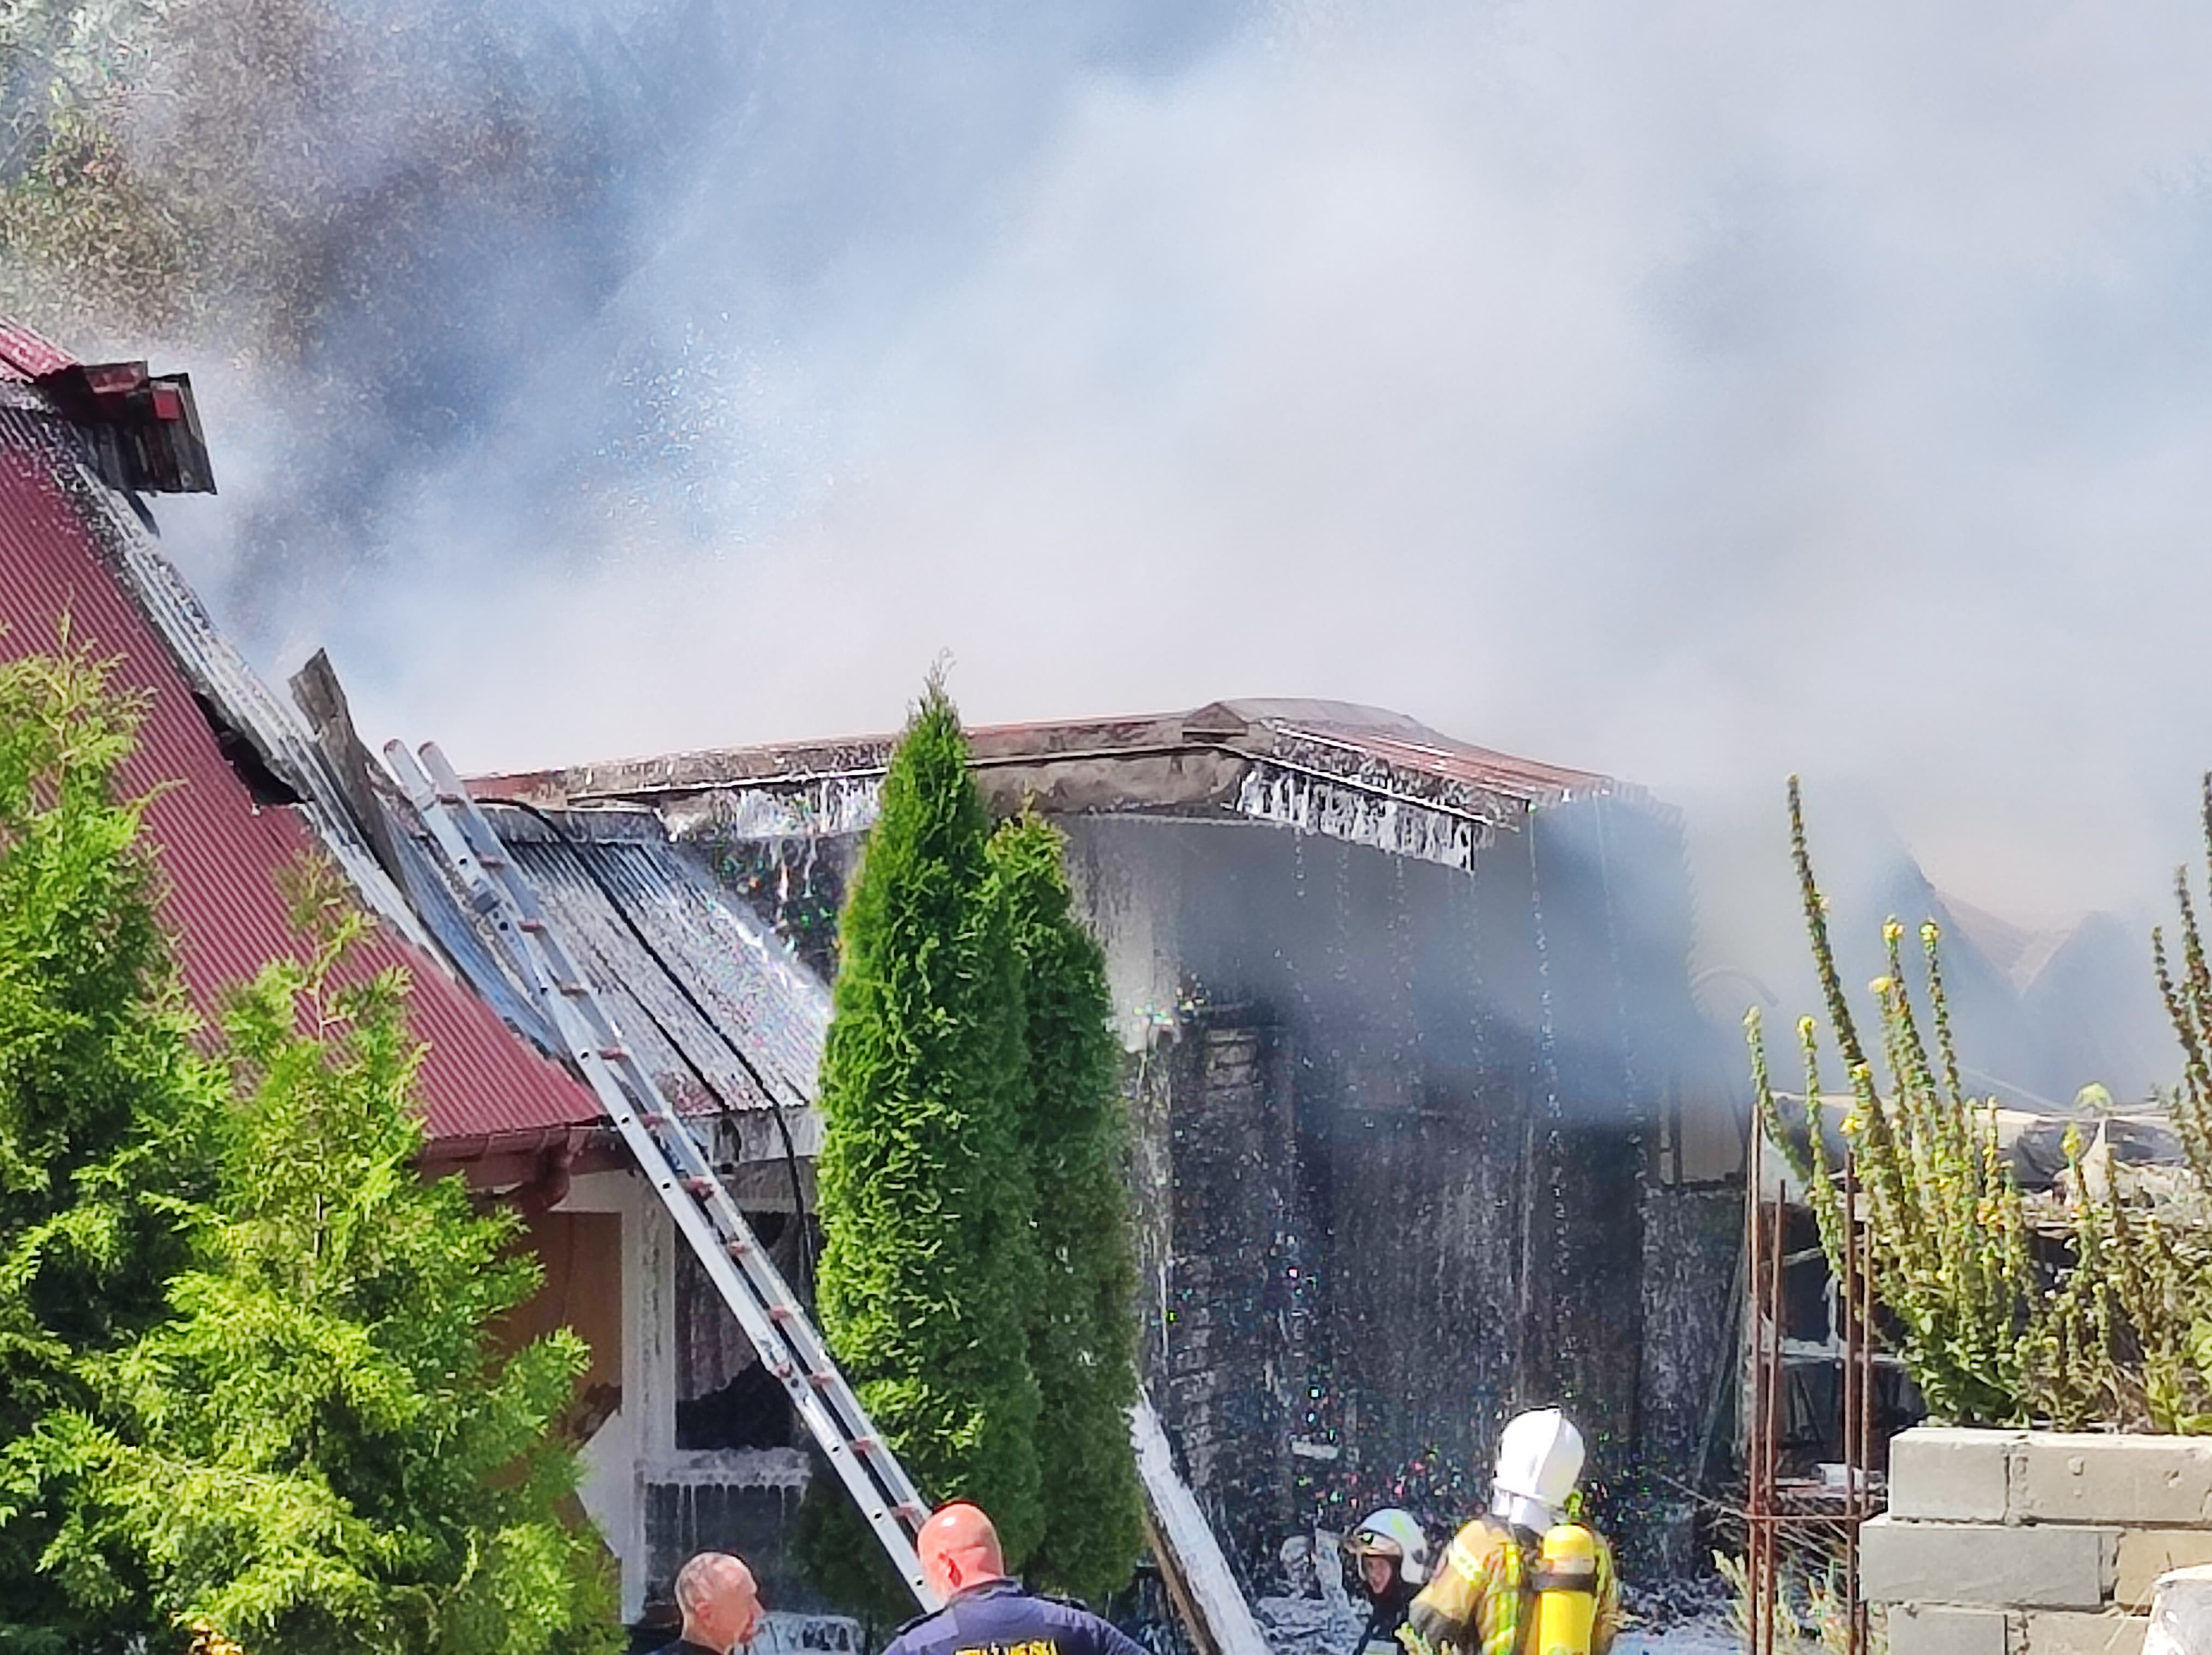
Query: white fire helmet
[(1539, 1458), (1393, 1533)]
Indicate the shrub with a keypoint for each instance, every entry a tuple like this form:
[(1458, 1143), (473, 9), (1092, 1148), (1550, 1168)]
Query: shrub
[(928, 1272), (1083, 1337)]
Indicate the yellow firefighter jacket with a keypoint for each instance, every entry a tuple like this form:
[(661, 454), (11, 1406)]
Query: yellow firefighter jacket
[(1478, 1601)]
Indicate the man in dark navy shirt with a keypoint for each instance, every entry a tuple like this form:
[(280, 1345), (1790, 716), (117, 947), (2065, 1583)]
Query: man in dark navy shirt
[(985, 1612), (719, 1603)]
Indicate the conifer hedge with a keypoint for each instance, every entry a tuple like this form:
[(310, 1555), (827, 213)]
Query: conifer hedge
[(929, 1272), (248, 1393), (1083, 1338), (320, 1447), (104, 1110)]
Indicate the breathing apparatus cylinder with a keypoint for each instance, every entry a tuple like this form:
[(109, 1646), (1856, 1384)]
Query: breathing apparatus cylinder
[(1565, 1584)]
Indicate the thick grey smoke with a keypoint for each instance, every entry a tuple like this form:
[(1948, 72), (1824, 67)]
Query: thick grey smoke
[(1696, 392)]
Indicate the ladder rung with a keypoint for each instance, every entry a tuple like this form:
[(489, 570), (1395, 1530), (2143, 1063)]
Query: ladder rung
[(497, 888)]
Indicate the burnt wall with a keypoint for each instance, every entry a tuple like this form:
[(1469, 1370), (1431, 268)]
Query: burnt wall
[(751, 1511), (1228, 1340), (1691, 1289), (1472, 1069), (1397, 1126)]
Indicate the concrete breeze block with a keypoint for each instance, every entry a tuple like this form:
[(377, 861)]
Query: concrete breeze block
[(1944, 1473), (2048, 1567), (2066, 1477), (2063, 1631), (2146, 1554), (1927, 1629)]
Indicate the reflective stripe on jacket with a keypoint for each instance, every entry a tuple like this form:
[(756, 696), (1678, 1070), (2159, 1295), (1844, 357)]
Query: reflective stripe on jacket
[(1478, 1601)]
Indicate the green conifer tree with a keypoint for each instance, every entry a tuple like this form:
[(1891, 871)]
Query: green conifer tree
[(105, 1111), (1083, 1333), (928, 1266), (317, 1450)]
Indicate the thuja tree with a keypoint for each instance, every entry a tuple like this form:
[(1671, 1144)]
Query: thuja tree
[(1083, 1335), (928, 1269), (104, 1114), (317, 1447), (2107, 1320), (244, 1378)]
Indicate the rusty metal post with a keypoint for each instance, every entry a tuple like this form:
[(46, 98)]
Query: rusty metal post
[(1862, 1234), (1777, 1241), (1755, 1396), (1847, 1308), (1823, 1523)]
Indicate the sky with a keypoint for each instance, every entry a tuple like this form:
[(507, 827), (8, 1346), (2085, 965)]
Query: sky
[(1695, 392)]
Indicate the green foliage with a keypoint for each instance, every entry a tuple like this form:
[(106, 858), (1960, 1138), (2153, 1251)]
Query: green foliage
[(2187, 995), (1083, 1338), (2104, 1323), (243, 1374), (317, 1451), (1809, 1613), (928, 1267), (104, 1108)]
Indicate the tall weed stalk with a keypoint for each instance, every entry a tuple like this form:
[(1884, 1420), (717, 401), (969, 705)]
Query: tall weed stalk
[(2101, 1317)]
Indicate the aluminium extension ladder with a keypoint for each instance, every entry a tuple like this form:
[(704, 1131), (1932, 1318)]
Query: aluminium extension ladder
[(670, 1157)]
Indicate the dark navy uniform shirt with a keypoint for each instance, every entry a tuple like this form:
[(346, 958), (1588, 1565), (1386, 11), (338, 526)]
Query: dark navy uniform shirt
[(1000, 1618)]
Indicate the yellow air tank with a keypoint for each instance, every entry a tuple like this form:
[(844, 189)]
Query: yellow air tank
[(1566, 1591)]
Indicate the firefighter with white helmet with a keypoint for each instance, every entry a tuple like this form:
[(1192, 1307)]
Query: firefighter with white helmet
[(1392, 1551), (1524, 1579)]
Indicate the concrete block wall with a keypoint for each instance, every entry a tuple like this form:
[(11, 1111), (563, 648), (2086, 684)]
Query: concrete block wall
[(2034, 1542)]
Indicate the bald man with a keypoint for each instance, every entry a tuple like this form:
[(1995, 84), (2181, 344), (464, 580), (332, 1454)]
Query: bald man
[(719, 1603), (987, 1613)]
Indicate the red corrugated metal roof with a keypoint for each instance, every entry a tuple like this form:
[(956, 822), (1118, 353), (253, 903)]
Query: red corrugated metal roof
[(222, 853), (24, 356)]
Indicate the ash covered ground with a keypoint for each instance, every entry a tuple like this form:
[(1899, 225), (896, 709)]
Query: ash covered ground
[(1311, 1626)]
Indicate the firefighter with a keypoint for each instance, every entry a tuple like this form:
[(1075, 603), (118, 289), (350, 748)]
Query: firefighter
[(1523, 1566), (1392, 1557)]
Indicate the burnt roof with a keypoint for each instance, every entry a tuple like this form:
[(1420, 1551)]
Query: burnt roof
[(718, 1008), (1355, 772)]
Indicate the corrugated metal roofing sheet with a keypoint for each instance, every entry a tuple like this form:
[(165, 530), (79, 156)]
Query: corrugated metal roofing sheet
[(720, 1010), (25, 357), (445, 915), (222, 853)]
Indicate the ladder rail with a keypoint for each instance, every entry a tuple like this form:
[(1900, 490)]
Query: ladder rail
[(688, 1161), (682, 1174)]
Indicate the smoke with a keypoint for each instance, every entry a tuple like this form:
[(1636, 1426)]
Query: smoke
[(1696, 392)]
